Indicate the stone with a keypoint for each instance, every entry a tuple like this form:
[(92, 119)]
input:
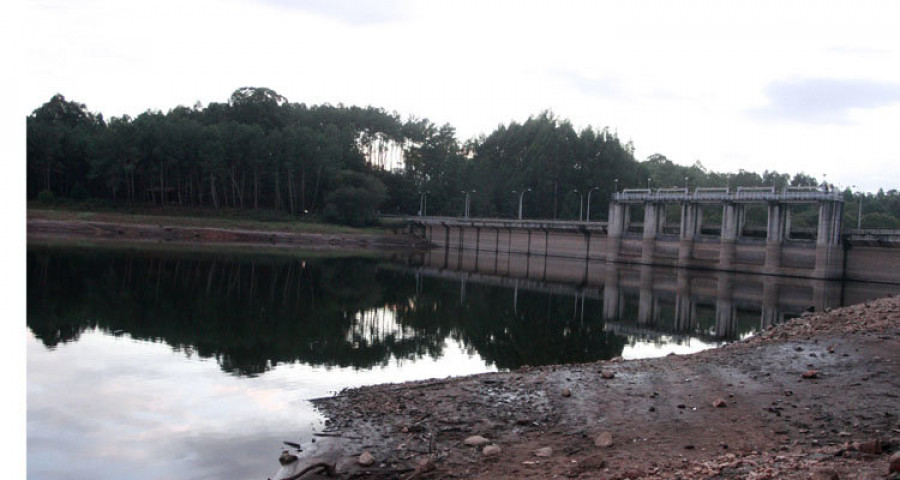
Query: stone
[(872, 447), (604, 440), (607, 374), (476, 441), (366, 459), (810, 374), (566, 392), (425, 465), (491, 450), (720, 403), (895, 463), (824, 474), (543, 452)]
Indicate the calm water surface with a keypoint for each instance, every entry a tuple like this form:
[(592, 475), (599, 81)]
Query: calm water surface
[(148, 365)]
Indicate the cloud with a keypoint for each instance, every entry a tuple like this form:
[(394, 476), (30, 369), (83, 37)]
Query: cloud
[(824, 101), (594, 87), (353, 12)]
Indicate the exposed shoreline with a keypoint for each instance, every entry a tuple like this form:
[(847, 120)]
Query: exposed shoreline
[(75, 230), (746, 410)]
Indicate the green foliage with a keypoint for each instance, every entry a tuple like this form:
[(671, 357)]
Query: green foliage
[(879, 220), (356, 200), (258, 151), (46, 197)]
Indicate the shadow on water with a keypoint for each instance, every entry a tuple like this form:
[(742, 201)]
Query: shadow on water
[(252, 313)]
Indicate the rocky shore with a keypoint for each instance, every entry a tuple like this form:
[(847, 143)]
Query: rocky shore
[(816, 397)]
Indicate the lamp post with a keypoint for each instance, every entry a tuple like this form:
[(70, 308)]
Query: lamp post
[(521, 195), (580, 203), (423, 204), (616, 185), (648, 183), (588, 216), (467, 201), (685, 185)]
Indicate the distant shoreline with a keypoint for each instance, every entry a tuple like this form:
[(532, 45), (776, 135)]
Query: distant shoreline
[(173, 230)]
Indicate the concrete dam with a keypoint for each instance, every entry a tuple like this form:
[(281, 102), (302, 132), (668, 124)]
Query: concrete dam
[(665, 227)]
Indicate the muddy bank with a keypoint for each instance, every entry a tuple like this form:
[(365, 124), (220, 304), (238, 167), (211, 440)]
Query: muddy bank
[(108, 231), (816, 397)]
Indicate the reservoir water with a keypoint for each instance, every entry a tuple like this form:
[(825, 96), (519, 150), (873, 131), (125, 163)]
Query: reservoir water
[(148, 364)]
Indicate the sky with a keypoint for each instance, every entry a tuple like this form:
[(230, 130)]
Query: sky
[(809, 87)]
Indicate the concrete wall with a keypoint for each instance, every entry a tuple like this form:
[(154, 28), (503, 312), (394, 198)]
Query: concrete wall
[(869, 261)]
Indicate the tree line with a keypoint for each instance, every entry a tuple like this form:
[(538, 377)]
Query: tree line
[(346, 164)]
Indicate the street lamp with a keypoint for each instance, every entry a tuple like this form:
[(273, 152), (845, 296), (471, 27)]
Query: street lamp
[(616, 185), (685, 185), (859, 212), (521, 194), (423, 204), (648, 183), (588, 216), (467, 201), (580, 202)]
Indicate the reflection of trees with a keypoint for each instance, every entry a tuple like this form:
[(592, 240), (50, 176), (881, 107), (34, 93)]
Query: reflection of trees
[(543, 329), (251, 313)]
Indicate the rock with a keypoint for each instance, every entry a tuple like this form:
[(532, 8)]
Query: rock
[(872, 447), (476, 441), (616, 359), (366, 459), (895, 463), (491, 450), (286, 458), (810, 374), (824, 474), (604, 440), (425, 465), (566, 392), (607, 374), (543, 452), (720, 403)]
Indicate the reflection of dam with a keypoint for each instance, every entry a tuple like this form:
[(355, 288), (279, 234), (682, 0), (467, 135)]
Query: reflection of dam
[(643, 298)]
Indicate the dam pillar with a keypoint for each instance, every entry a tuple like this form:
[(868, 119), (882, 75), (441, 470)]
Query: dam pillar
[(615, 230), (775, 236), (690, 226), (651, 230), (829, 251), (729, 235)]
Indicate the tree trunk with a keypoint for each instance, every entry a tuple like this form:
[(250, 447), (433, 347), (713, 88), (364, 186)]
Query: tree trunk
[(212, 190)]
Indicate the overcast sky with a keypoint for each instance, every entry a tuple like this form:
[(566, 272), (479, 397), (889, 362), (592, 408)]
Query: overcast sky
[(787, 86)]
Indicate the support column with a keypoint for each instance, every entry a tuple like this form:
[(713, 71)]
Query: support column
[(651, 229), (729, 236), (774, 237), (829, 254), (689, 227), (615, 230)]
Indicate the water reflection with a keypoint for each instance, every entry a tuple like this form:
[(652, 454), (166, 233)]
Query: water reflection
[(253, 313)]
